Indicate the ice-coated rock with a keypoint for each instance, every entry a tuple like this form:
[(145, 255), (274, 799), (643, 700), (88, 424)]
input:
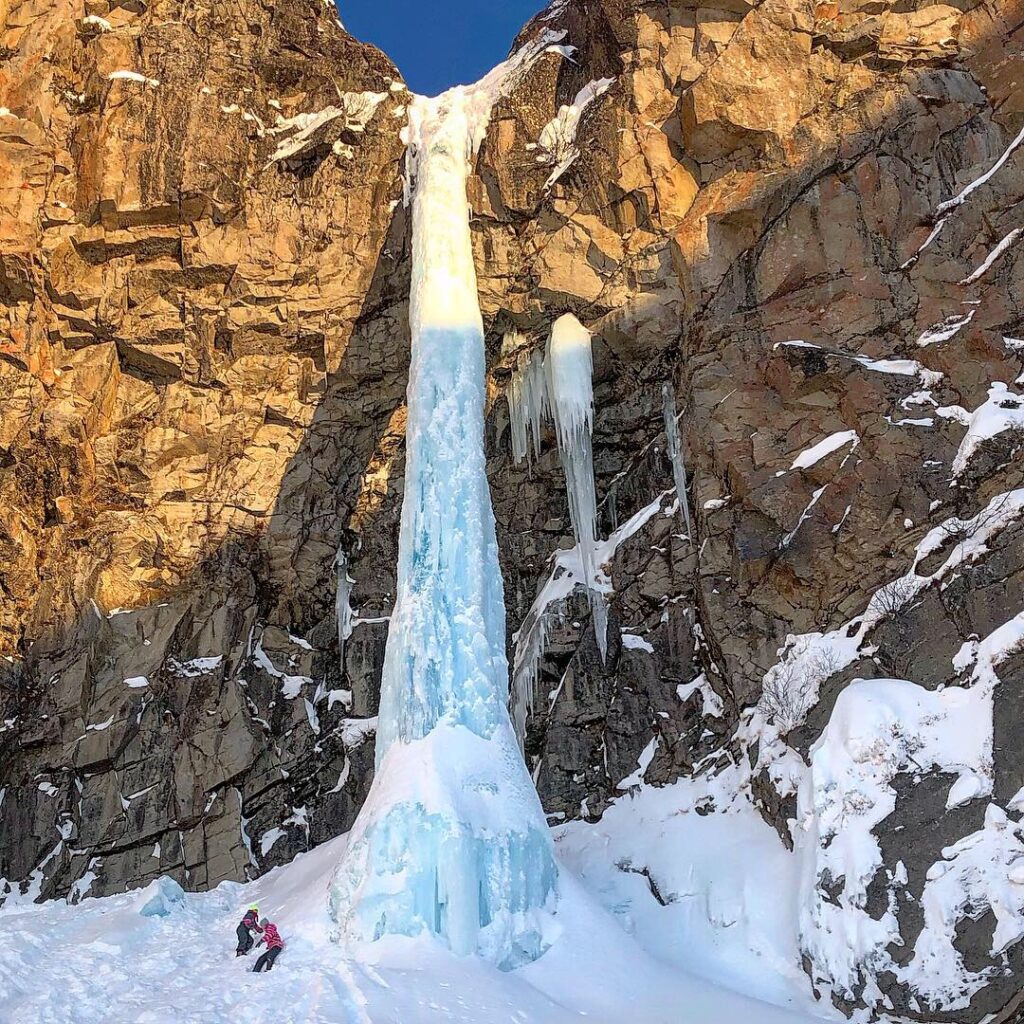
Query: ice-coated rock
[(161, 898)]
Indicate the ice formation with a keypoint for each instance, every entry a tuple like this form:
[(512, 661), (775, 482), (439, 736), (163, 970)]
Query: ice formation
[(560, 387), (570, 372), (342, 601), (675, 455), (527, 400), (567, 573), (452, 839)]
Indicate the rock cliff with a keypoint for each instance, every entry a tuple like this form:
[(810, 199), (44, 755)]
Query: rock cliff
[(801, 216)]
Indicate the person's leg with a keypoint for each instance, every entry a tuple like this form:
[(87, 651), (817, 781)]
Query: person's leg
[(244, 940), (261, 963), (272, 956)]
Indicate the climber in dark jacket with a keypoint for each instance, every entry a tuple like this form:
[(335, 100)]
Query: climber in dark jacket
[(244, 931)]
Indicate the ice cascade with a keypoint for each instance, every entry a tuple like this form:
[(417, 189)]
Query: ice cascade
[(560, 387), (452, 840)]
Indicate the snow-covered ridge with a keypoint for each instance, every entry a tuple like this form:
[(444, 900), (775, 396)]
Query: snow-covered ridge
[(557, 145), (879, 728), (987, 263), (897, 367), (357, 108), (810, 457), (133, 76), (946, 209), (945, 329), (1001, 412), (808, 659)]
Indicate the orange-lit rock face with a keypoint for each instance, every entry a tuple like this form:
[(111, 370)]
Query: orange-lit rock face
[(174, 300), (202, 374)]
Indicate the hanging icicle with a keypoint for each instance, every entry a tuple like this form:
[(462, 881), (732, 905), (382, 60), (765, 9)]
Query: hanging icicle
[(570, 372), (527, 400)]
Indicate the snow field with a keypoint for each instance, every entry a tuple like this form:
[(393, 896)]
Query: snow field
[(102, 961)]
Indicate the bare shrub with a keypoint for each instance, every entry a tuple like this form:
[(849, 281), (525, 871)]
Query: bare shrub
[(791, 687)]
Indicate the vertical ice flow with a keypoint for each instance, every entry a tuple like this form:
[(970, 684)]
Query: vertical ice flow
[(342, 602), (675, 455), (452, 839), (571, 396)]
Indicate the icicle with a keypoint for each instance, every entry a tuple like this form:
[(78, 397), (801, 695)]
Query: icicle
[(531, 641), (452, 838), (571, 396), (342, 603), (527, 401), (675, 455)]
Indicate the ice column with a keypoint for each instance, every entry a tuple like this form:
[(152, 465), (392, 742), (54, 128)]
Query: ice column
[(343, 602), (571, 396), (675, 455), (452, 839)]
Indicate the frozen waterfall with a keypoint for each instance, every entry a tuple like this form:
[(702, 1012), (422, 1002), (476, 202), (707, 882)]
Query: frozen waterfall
[(452, 839)]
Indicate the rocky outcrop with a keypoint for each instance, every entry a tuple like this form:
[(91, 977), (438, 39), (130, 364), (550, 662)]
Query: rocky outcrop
[(191, 237), (800, 215)]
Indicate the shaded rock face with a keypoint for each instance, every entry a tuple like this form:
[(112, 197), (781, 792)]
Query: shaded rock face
[(192, 237), (202, 366)]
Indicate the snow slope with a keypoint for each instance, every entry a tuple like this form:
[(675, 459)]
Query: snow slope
[(102, 961)]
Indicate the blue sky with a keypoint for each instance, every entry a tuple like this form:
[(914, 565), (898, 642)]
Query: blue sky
[(438, 43)]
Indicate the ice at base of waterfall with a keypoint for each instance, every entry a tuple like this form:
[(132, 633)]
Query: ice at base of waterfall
[(724, 880), (452, 842)]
